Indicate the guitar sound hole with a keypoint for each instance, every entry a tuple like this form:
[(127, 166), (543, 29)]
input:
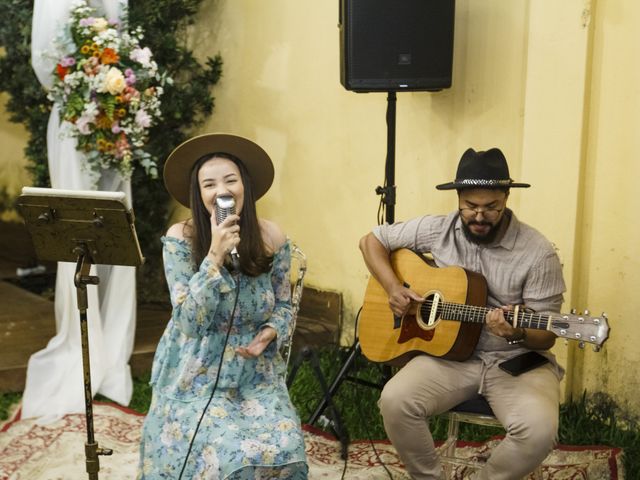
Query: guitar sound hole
[(431, 309)]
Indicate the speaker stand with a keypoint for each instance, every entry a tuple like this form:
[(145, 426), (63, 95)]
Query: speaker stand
[(388, 191), (388, 199)]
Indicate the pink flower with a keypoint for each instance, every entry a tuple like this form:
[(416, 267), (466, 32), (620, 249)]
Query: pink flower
[(141, 55), (86, 22), (115, 127), (129, 77), (92, 66), (122, 146), (82, 124), (143, 119), (68, 61)]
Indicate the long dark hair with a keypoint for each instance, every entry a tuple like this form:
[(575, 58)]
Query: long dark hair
[(254, 257)]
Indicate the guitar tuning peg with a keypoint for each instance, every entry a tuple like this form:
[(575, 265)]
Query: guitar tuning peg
[(596, 348), (573, 311), (581, 345), (604, 315), (586, 312)]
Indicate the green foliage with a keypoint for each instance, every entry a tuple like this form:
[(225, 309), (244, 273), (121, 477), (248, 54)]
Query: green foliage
[(185, 105), (141, 396), (356, 403), (6, 401), (27, 102), (5, 200), (597, 420)]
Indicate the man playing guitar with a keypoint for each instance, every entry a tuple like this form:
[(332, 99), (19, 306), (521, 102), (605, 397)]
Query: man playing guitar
[(521, 268)]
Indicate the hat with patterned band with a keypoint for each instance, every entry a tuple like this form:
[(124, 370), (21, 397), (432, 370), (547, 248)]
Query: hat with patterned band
[(177, 168), (486, 169)]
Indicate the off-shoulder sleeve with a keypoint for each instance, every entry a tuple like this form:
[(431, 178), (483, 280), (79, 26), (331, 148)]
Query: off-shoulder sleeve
[(195, 293), (282, 315)]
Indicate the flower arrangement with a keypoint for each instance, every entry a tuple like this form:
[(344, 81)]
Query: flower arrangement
[(108, 89)]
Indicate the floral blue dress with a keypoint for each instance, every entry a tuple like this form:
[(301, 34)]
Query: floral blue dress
[(250, 429)]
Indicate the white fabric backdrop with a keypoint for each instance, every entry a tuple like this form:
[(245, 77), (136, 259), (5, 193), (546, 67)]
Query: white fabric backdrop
[(54, 383)]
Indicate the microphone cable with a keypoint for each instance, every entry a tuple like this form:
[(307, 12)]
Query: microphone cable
[(361, 417), (373, 446), (215, 384)]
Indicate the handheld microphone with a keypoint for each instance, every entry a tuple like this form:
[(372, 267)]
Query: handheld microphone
[(226, 205)]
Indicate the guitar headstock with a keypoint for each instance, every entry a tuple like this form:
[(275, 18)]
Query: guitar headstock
[(582, 328)]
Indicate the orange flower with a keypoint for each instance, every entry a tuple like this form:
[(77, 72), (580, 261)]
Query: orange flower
[(109, 56), (61, 71)]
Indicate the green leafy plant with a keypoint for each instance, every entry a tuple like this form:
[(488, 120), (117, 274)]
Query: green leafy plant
[(7, 401), (27, 103), (185, 105), (5, 200)]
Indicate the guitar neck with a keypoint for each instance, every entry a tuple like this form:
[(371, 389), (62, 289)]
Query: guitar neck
[(475, 314)]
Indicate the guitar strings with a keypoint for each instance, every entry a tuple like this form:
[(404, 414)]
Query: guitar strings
[(477, 314)]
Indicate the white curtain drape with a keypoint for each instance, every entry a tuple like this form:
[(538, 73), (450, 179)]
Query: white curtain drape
[(54, 385)]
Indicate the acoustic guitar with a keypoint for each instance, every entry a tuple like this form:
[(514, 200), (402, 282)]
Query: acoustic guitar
[(449, 321)]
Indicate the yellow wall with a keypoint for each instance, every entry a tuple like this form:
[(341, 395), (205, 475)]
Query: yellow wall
[(13, 139), (608, 275), (554, 84), (281, 87)]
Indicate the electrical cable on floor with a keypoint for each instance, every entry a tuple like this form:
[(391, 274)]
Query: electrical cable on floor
[(364, 423)]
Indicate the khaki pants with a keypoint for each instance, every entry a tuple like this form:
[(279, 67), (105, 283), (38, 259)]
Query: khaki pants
[(527, 405)]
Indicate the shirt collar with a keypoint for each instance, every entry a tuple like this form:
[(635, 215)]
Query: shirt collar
[(508, 240)]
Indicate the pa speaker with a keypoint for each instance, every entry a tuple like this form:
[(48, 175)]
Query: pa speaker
[(396, 45)]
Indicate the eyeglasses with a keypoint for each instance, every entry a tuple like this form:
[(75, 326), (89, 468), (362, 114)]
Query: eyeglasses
[(490, 214)]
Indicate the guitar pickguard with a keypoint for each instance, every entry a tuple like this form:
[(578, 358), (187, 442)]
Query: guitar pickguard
[(423, 323)]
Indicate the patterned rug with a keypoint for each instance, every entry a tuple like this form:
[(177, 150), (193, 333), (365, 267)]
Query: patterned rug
[(56, 452)]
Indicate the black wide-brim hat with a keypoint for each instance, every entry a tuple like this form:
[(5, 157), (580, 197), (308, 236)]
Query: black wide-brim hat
[(485, 169), (177, 168)]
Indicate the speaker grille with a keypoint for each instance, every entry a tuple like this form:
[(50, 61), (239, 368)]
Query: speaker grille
[(394, 45)]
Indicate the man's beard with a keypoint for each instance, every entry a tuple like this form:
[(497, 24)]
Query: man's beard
[(489, 237)]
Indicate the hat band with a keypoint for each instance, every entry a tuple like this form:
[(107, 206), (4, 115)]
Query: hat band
[(477, 181)]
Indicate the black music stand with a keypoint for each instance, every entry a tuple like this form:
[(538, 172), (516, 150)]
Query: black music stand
[(88, 228)]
